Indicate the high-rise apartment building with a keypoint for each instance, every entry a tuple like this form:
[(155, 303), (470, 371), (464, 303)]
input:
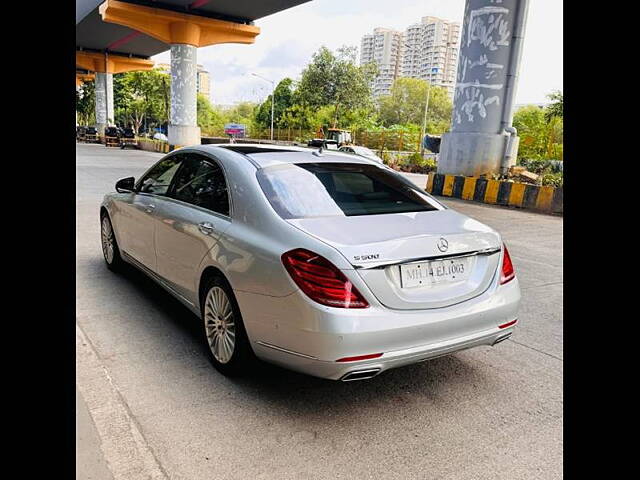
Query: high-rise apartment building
[(384, 48), (203, 82), (431, 52), (427, 50)]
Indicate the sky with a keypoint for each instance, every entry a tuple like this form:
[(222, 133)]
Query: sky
[(289, 38)]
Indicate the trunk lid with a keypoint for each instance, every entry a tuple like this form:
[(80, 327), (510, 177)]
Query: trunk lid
[(377, 246)]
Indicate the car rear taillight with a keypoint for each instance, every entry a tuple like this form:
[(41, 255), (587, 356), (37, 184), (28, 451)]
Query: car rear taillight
[(321, 280), (508, 273)]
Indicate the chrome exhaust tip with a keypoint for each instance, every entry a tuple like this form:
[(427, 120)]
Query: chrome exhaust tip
[(360, 374), (501, 339)]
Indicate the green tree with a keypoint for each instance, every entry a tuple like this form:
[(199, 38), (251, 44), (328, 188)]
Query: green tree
[(555, 109), (405, 105), (283, 101), (140, 96), (336, 80), (86, 103), (539, 138), (209, 118)]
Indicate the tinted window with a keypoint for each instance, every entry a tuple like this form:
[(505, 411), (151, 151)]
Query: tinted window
[(202, 183), (339, 189), (158, 179)]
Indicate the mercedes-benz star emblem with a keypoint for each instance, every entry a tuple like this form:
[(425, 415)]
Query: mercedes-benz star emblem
[(443, 245)]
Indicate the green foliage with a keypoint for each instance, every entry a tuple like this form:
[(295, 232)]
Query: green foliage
[(335, 80), (540, 138), (283, 102), (555, 109), (209, 119), (552, 179), (86, 104), (406, 104), (141, 97)]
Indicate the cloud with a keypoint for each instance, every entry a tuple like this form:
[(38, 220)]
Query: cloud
[(289, 38)]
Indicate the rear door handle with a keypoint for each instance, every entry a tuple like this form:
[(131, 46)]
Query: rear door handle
[(205, 227), (149, 208)]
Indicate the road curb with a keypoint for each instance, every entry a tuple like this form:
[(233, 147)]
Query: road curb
[(496, 192), (125, 449)]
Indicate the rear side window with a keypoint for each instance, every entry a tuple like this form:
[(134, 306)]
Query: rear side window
[(202, 183), (308, 190)]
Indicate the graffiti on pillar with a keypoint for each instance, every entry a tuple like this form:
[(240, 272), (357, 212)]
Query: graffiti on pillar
[(183, 85), (483, 54)]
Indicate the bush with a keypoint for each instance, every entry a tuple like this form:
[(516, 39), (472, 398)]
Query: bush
[(538, 166), (552, 180)]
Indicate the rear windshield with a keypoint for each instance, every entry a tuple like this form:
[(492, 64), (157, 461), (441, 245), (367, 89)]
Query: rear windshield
[(339, 189)]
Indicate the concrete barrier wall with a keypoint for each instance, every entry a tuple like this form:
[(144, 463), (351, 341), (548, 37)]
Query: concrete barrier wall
[(496, 192), (151, 145)]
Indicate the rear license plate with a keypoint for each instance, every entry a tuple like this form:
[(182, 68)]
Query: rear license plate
[(435, 272)]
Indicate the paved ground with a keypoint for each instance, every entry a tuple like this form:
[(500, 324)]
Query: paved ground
[(160, 411)]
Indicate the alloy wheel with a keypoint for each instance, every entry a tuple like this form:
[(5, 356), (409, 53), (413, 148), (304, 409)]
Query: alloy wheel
[(107, 240), (219, 324)]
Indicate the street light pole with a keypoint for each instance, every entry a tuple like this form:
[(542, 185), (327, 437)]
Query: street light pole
[(273, 97), (424, 120)]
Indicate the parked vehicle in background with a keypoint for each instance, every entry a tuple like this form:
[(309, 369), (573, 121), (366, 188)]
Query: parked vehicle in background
[(332, 139), (325, 263), (160, 136), (362, 151), (112, 136), (81, 132), (128, 138), (91, 135)]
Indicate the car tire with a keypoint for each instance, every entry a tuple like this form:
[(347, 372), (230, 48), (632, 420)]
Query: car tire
[(223, 330), (110, 250)]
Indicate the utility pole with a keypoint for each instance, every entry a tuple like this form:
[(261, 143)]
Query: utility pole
[(273, 97), (423, 130), (482, 139)]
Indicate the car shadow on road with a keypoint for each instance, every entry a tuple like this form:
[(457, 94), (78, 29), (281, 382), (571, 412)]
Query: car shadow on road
[(299, 394)]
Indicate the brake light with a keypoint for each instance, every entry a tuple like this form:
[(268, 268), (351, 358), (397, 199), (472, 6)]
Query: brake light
[(321, 280), (508, 272)]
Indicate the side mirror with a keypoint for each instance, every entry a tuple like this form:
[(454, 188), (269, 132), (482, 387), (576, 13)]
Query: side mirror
[(125, 185)]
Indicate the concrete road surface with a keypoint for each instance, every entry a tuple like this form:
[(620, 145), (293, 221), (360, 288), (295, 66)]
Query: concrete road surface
[(161, 411)]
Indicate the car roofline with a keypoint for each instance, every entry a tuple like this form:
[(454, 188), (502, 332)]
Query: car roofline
[(339, 156)]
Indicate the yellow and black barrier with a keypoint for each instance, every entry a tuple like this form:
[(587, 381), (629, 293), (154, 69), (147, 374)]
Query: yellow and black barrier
[(152, 145), (496, 192)]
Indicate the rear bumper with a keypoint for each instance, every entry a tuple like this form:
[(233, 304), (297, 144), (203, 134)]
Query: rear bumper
[(398, 358), (299, 334)]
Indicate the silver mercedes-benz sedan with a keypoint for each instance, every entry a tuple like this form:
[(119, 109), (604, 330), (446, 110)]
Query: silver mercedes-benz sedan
[(322, 262)]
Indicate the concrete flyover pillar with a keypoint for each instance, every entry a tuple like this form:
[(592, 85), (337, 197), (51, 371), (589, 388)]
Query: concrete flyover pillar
[(183, 125), (482, 140), (104, 101), (185, 33), (105, 65)]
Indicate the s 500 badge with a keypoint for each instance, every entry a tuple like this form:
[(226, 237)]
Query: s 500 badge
[(373, 256)]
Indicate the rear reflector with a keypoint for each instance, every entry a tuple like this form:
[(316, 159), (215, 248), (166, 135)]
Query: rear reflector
[(505, 325), (360, 357), (321, 280), (508, 272)]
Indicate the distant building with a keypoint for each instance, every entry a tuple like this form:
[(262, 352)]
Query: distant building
[(431, 50), (203, 80), (384, 48)]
